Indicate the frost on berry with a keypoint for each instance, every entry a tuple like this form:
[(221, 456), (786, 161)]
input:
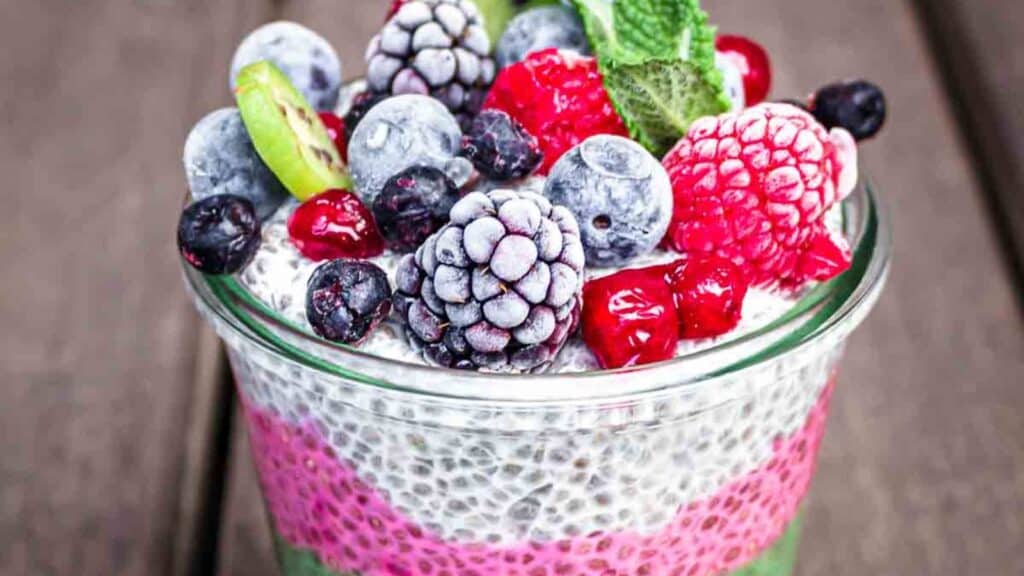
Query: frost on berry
[(755, 186), (498, 288)]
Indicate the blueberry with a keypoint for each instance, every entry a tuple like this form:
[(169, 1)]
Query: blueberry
[(219, 234), (858, 106), (220, 159), (500, 147), (538, 29), (620, 195), (305, 57), (413, 205), (347, 299), (399, 133), (361, 105)]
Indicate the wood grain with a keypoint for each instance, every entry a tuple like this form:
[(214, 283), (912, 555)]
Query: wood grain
[(99, 342), (978, 43), (923, 468)]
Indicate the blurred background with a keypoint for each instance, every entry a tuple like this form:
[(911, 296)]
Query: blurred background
[(119, 451)]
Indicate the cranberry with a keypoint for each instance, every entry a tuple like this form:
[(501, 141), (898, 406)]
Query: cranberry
[(334, 224), (708, 292), (629, 318), (752, 61), (336, 130)]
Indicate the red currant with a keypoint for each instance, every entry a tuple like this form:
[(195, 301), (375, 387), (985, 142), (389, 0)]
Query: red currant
[(753, 63), (336, 130), (629, 318), (334, 224), (708, 292)]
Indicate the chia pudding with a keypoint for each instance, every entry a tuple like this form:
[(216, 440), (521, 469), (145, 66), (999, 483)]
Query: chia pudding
[(559, 336)]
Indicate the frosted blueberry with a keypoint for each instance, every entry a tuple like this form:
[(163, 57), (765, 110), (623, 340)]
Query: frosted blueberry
[(540, 28), (732, 80), (401, 132), (220, 159), (620, 195), (305, 57)]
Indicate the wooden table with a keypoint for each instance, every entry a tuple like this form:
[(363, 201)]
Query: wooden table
[(120, 455)]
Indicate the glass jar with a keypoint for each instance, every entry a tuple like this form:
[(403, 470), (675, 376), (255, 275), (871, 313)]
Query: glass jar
[(696, 465)]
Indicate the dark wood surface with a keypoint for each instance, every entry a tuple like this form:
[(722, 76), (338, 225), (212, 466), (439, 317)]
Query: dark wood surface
[(99, 345), (109, 399)]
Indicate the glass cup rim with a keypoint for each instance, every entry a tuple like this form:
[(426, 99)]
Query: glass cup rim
[(834, 306)]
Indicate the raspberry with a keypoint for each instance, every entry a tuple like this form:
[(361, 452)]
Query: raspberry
[(336, 130), (334, 224), (708, 292), (559, 97), (754, 187), (629, 318)]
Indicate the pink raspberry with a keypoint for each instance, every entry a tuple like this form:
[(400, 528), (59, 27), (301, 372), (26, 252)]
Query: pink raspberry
[(559, 97), (754, 187)]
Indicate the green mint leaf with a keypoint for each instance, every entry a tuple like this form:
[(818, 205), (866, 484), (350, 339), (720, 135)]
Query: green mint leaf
[(659, 99), (663, 29), (637, 30)]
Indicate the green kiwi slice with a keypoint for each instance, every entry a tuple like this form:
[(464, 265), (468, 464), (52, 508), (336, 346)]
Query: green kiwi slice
[(287, 133)]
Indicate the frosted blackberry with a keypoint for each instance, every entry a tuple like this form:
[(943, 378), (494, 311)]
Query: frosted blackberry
[(619, 193), (434, 47), (305, 57), (347, 299), (500, 148), (538, 29), (413, 205), (498, 288), (401, 132), (220, 159)]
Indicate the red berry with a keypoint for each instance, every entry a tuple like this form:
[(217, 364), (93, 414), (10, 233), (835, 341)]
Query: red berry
[(753, 63), (708, 292), (336, 130), (396, 5), (559, 97), (629, 318), (754, 187), (334, 224)]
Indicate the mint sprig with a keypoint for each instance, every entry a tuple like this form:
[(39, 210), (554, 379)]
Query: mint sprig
[(658, 62), (659, 99)]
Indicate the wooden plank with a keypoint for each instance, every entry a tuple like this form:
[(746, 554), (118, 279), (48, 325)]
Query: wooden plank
[(976, 43), (923, 466), (98, 347)]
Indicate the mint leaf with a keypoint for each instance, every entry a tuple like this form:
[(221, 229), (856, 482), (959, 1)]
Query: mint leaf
[(636, 30), (663, 29), (659, 99), (657, 58)]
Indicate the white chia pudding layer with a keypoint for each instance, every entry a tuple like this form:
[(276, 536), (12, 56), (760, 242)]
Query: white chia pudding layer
[(505, 474)]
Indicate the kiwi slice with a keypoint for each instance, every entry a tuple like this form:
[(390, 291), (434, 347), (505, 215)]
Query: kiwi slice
[(287, 133)]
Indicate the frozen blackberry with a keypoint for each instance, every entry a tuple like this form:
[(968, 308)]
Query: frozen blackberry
[(219, 234), (347, 299), (498, 288), (434, 47), (500, 148), (361, 105), (413, 205)]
